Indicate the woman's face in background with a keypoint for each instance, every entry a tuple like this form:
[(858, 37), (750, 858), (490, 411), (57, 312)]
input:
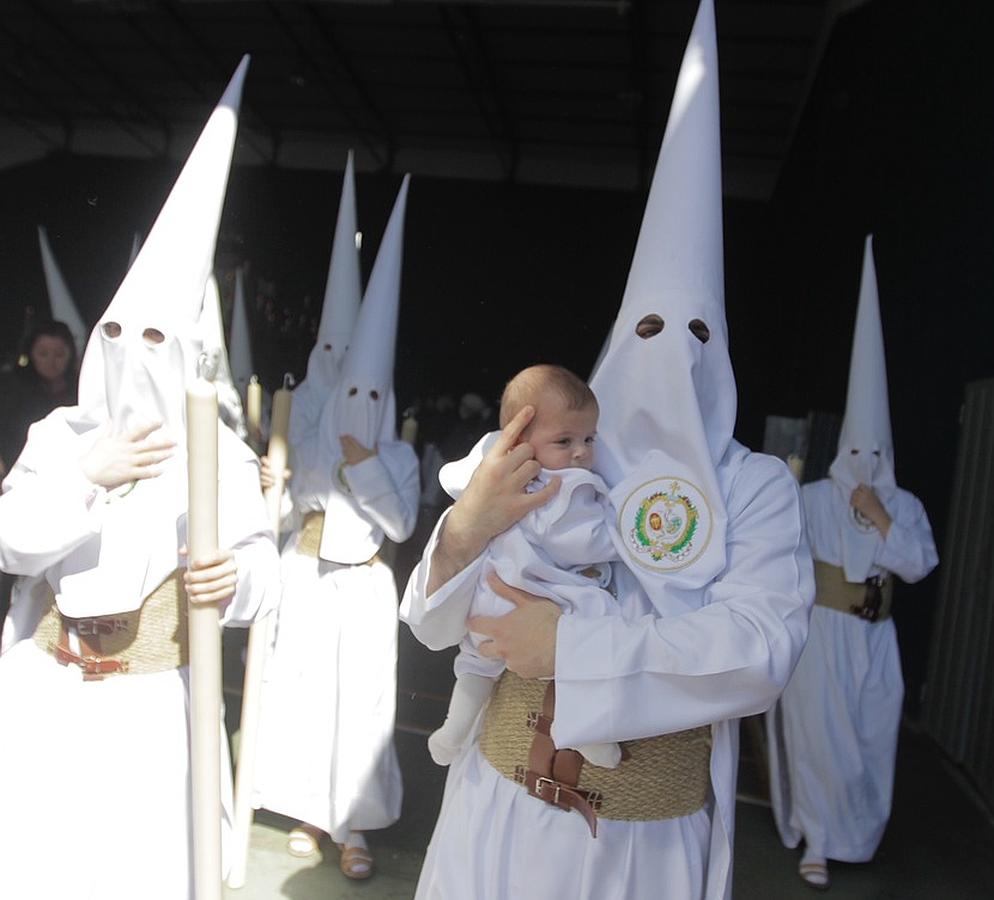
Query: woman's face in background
[(50, 357)]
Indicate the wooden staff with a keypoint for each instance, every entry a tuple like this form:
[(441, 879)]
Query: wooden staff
[(255, 657), (205, 643)]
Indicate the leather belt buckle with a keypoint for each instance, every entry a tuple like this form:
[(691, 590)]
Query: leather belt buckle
[(531, 721), (595, 799), (540, 783)]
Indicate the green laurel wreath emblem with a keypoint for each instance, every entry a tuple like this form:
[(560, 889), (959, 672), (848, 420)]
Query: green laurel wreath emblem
[(673, 536)]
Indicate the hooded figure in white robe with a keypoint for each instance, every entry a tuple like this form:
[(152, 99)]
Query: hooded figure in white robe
[(326, 755), (116, 748), (833, 735), (714, 583), (60, 299)]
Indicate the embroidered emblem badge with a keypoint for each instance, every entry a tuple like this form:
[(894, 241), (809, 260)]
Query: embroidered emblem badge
[(666, 524)]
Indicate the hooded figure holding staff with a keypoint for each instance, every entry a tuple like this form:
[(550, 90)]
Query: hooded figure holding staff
[(95, 700), (713, 589), (833, 735), (326, 755)]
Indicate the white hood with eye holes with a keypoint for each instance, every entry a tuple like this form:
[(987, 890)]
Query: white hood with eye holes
[(342, 292), (667, 394), (138, 362), (363, 405), (866, 448)]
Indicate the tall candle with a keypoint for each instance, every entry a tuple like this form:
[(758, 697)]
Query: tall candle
[(255, 657), (205, 643), (253, 411), (409, 430)]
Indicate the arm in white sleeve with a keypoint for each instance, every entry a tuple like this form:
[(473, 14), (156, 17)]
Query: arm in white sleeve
[(909, 548), (386, 488), (48, 507), (244, 527), (438, 620), (621, 680)]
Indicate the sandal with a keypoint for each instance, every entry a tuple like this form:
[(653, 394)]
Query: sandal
[(815, 875), (303, 840), (356, 862)]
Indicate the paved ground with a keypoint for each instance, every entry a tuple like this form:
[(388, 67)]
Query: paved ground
[(939, 845)]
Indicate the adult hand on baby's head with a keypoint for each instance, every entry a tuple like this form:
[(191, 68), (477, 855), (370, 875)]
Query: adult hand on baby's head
[(117, 459), (525, 638), (495, 498)]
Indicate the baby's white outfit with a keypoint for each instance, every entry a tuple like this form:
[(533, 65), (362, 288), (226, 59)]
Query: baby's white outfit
[(561, 550)]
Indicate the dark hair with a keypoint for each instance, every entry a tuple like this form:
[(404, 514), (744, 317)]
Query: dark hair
[(528, 386), (56, 329)]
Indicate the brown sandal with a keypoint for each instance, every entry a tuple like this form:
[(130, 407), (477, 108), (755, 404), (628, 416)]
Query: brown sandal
[(356, 862)]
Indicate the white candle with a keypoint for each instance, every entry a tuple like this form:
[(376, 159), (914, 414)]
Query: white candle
[(253, 410), (255, 657), (205, 643), (409, 430)]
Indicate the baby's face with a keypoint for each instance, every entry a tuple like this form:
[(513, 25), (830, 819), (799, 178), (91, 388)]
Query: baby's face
[(563, 437)]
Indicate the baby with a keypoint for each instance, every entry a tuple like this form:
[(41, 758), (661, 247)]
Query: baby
[(560, 550)]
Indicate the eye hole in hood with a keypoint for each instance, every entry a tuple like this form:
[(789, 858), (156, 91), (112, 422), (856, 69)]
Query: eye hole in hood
[(699, 330), (153, 337), (111, 330), (649, 326)]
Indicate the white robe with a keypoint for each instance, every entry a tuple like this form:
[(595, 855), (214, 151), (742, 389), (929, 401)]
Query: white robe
[(702, 657), (326, 754), (833, 734), (95, 784)]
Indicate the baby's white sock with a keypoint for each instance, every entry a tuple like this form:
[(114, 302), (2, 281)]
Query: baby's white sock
[(469, 694)]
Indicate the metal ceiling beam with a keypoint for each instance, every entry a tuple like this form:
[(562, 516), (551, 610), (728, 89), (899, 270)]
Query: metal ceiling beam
[(471, 51), (119, 84), (341, 61), (102, 108), (206, 54), (366, 135)]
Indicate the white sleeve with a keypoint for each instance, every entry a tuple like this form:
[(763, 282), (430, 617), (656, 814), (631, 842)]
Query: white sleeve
[(572, 532), (620, 680), (48, 507), (244, 527), (386, 488), (909, 548), (438, 620)]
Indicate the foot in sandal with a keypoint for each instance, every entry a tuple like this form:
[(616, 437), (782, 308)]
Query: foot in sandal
[(303, 840), (814, 872), (356, 861)]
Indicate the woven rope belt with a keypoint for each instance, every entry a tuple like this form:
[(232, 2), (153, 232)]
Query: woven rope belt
[(309, 537), (150, 639), (663, 777), (870, 600)]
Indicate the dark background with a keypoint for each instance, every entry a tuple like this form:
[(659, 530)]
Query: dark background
[(896, 139)]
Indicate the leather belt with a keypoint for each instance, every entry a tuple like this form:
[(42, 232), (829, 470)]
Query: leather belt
[(552, 775)]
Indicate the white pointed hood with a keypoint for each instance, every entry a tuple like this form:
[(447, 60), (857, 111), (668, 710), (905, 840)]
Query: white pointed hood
[(144, 349), (136, 245), (229, 403), (138, 362), (240, 357), (342, 293), (866, 448), (59, 297), (667, 394), (363, 404)]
